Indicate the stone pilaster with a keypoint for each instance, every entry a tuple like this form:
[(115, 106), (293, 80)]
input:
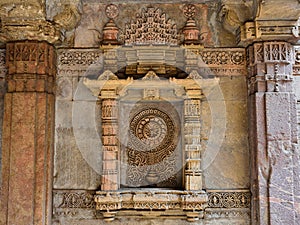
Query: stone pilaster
[(110, 172), (192, 127), (28, 134), (273, 133)]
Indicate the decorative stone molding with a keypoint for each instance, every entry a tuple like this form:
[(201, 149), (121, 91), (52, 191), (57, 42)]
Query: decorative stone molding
[(232, 199), (73, 204), (79, 62), (150, 200), (227, 213), (268, 30), (207, 61)]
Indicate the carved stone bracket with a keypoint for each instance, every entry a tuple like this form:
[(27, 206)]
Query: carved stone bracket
[(268, 30)]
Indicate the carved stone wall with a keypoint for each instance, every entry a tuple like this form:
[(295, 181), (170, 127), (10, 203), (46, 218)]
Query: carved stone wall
[(240, 164)]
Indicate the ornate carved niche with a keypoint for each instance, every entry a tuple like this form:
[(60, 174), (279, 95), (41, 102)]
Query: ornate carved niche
[(151, 144)]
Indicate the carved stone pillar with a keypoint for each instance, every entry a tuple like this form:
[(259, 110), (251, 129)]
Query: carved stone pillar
[(28, 134), (110, 174), (273, 133)]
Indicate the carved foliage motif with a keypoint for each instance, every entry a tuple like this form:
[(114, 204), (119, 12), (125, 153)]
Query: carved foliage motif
[(151, 27), (77, 200)]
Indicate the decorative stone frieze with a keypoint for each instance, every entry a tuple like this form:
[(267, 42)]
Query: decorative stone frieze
[(151, 200)]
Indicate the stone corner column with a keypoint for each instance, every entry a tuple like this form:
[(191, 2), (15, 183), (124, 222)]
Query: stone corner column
[(27, 144), (273, 133)]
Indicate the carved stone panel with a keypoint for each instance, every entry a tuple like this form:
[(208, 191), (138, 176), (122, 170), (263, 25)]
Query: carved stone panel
[(152, 155)]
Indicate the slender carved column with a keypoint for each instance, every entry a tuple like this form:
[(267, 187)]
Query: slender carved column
[(273, 133), (110, 172), (193, 172), (28, 134)]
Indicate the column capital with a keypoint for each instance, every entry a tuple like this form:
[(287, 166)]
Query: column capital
[(270, 66), (31, 66)]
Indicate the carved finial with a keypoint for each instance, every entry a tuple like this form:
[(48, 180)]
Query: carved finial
[(110, 30), (191, 31)]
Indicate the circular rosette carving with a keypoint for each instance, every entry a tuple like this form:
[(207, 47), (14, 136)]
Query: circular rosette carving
[(112, 11), (189, 11), (151, 130), (237, 58)]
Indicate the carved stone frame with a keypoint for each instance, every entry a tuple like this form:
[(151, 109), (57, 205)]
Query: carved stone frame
[(192, 199)]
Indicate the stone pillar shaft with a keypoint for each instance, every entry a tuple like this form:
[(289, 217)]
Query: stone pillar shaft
[(273, 132), (28, 134)]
